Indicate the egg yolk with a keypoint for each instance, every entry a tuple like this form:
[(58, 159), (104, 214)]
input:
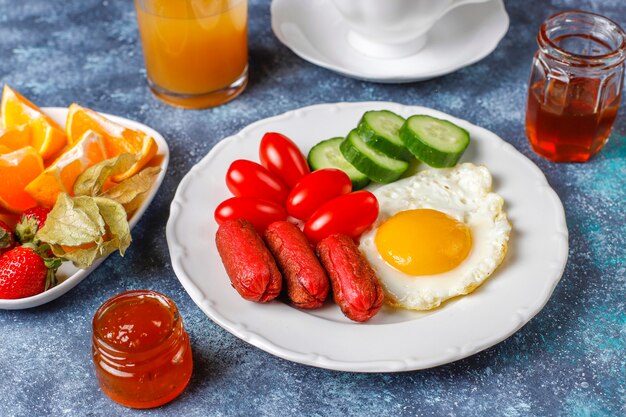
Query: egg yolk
[(423, 242)]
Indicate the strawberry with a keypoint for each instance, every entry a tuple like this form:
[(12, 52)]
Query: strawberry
[(7, 240), (32, 220), (23, 272)]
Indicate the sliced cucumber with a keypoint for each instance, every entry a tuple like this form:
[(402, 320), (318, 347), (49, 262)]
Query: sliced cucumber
[(438, 143), (380, 129), (414, 165), (326, 154), (377, 166)]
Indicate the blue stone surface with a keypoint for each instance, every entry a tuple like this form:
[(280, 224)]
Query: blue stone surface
[(570, 360)]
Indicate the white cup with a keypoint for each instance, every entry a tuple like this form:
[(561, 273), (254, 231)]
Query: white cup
[(392, 28)]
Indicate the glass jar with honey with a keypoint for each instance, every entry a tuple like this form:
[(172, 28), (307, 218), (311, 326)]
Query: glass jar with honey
[(575, 85), (140, 349)]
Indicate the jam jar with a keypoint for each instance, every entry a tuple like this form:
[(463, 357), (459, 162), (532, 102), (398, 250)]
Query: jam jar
[(575, 85), (140, 349)]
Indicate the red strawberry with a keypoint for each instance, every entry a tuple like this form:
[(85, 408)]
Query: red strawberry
[(32, 220), (7, 240), (24, 273)]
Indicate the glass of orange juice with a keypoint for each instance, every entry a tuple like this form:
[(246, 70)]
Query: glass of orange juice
[(195, 51)]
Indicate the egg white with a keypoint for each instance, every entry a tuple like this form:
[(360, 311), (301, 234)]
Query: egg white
[(462, 192)]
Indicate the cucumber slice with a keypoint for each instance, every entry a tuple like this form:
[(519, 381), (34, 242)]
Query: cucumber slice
[(414, 165), (438, 143), (326, 154), (380, 129), (377, 166)]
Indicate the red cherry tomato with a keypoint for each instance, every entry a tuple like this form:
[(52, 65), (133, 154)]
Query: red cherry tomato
[(315, 189), (249, 179), (349, 214), (282, 157), (261, 213)]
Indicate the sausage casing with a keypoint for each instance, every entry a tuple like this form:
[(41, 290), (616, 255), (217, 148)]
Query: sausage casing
[(356, 288), (248, 262), (306, 281)]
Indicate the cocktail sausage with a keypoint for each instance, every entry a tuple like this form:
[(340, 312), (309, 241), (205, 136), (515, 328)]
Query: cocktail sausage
[(249, 264), (356, 288), (305, 278)]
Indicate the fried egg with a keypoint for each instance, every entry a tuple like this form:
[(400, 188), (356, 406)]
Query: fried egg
[(439, 234)]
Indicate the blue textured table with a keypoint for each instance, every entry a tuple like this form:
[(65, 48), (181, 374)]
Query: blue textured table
[(569, 360)]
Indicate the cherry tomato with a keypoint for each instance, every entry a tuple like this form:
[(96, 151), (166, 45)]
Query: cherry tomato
[(350, 214), (249, 179), (315, 189), (261, 213), (282, 157)]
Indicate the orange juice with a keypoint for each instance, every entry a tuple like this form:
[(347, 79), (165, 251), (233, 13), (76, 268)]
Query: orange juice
[(195, 51)]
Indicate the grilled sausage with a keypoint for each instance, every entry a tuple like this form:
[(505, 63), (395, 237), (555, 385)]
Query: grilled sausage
[(249, 264), (355, 285), (305, 278)]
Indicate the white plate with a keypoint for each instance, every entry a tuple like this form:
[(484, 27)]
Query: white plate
[(315, 31), (68, 274), (394, 340)]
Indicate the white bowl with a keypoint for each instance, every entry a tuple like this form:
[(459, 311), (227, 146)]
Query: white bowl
[(68, 274)]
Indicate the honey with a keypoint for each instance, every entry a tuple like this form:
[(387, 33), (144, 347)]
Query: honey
[(572, 132), (140, 349), (575, 86)]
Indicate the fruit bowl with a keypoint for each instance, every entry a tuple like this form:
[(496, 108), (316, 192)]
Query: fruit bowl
[(68, 275)]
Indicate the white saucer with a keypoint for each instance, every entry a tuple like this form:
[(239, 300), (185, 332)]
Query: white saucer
[(315, 31)]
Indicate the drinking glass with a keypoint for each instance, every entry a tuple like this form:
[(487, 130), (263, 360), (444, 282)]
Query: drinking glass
[(195, 51)]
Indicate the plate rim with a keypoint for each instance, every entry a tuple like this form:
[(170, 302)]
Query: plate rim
[(324, 63), (177, 252), (77, 277)]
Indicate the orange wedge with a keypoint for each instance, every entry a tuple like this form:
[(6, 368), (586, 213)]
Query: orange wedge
[(144, 156), (117, 138), (17, 169), (47, 137), (62, 173), (15, 137)]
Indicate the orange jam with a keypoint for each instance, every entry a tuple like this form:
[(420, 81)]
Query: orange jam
[(140, 349)]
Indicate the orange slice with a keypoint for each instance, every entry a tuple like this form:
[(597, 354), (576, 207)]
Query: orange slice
[(17, 169), (15, 137), (145, 155), (47, 137), (117, 138), (62, 173)]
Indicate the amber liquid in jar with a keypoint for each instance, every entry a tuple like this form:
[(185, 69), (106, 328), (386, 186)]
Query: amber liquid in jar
[(140, 349), (575, 86), (574, 132)]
